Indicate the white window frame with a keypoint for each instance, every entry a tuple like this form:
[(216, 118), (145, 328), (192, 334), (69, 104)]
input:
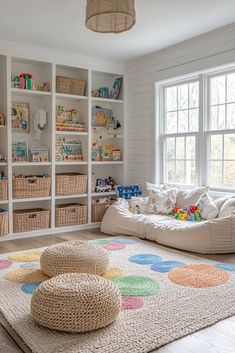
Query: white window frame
[(202, 135)]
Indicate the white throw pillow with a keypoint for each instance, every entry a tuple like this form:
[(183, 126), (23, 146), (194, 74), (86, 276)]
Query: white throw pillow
[(207, 207), (150, 186), (190, 197), (162, 201), (228, 208), (139, 204), (220, 201)]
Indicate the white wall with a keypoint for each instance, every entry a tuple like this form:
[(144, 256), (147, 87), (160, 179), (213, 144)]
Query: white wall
[(208, 50)]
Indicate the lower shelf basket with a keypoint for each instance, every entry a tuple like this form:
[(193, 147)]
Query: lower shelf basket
[(3, 189), (99, 209), (30, 219), (71, 184), (70, 215), (3, 223)]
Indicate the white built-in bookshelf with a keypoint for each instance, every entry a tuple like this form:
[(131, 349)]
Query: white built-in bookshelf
[(47, 72)]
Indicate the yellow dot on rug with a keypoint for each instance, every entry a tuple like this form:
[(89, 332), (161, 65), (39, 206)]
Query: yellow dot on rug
[(26, 256), (25, 275), (112, 273), (198, 276)]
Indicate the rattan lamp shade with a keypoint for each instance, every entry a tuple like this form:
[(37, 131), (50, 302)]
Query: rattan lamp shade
[(110, 16)]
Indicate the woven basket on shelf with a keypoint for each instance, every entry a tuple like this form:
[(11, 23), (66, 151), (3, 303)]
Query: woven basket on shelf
[(70, 215), (3, 223), (99, 210), (71, 184), (70, 85), (32, 219), (31, 187), (3, 189)]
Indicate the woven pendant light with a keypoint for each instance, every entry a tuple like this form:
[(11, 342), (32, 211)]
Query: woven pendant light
[(110, 16)]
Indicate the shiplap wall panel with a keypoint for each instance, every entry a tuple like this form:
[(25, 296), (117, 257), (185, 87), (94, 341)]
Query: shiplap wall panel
[(205, 51)]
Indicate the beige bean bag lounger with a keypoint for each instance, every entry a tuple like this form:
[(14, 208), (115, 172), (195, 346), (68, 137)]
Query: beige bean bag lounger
[(216, 236)]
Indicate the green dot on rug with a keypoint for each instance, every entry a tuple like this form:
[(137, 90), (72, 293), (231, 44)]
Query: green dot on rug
[(101, 241), (139, 286)]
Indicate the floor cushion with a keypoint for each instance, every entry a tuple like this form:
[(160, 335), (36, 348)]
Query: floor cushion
[(74, 256), (212, 236), (76, 303)]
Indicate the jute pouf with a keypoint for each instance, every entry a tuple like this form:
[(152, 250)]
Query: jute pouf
[(74, 256), (76, 303)]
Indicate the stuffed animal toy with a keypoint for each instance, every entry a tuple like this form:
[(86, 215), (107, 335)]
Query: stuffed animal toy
[(188, 213)]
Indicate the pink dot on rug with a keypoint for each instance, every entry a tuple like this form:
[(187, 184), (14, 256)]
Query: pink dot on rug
[(5, 264), (114, 246), (131, 303)]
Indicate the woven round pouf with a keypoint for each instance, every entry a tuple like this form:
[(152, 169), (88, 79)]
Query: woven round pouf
[(76, 303), (74, 257)]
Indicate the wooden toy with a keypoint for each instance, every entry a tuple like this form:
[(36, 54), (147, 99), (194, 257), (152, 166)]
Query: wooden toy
[(39, 154), (69, 149)]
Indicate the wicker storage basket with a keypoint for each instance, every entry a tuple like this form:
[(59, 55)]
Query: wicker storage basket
[(3, 189), (70, 215), (99, 210), (3, 223), (70, 85), (32, 219), (31, 187), (71, 184)]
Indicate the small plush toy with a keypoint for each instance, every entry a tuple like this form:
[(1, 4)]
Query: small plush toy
[(188, 213)]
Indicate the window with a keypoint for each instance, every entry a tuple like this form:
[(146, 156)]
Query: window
[(197, 130)]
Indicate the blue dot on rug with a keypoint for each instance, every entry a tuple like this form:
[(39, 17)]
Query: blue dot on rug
[(145, 259), (166, 266), (226, 267), (29, 288), (123, 240), (29, 265)]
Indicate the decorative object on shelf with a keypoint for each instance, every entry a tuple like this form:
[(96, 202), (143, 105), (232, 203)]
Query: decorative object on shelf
[(103, 117), (39, 154), (116, 154), (70, 215), (104, 185), (99, 208), (25, 81), (105, 152), (19, 151), (69, 149), (2, 120), (109, 93), (3, 158), (31, 186), (110, 16), (69, 85), (20, 117), (39, 122), (15, 82), (68, 120)]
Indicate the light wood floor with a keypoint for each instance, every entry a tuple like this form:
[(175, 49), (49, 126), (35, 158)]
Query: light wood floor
[(46, 240)]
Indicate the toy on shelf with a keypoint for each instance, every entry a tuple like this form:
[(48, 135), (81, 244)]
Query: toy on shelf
[(69, 149), (39, 122), (188, 213), (109, 93), (105, 152), (39, 154), (2, 158), (19, 151), (104, 185), (104, 117), (2, 177), (68, 120), (2, 120), (25, 81)]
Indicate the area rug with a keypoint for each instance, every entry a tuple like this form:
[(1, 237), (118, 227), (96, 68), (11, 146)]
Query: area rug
[(165, 295)]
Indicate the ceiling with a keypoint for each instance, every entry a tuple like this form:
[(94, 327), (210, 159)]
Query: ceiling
[(59, 24)]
